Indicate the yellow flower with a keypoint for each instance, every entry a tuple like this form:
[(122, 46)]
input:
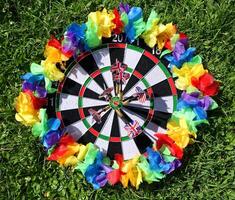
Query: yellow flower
[(165, 32), (150, 37), (54, 55), (26, 114), (186, 73), (68, 159), (82, 152), (151, 31), (157, 34), (50, 70), (179, 132), (132, 173), (103, 20)]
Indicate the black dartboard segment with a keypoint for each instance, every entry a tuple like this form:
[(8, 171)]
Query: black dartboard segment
[(116, 96)]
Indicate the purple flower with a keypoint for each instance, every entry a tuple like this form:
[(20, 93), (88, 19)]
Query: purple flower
[(34, 84), (196, 102), (96, 174), (124, 8), (180, 47), (51, 138), (181, 53), (194, 99), (173, 166)]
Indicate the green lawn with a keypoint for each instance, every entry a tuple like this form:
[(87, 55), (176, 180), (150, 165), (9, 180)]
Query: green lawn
[(208, 165)]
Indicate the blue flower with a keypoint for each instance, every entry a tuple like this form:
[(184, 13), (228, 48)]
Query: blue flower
[(156, 161), (53, 134), (34, 83), (179, 58), (96, 174), (74, 39), (135, 24)]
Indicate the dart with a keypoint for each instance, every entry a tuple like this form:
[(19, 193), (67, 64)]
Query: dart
[(95, 115), (119, 113), (106, 93), (140, 94), (133, 129), (129, 99)]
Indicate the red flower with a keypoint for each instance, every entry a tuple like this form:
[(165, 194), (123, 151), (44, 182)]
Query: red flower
[(37, 102), (164, 139), (206, 84), (115, 175), (62, 147), (117, 21), (53, 42)]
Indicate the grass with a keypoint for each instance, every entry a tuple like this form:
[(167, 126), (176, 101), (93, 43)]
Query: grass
[(208, 165)]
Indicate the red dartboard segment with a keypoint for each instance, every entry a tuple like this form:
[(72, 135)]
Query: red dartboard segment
[(95, 74), (81, 113), (116, 45), (94, 132), (151, 56), (150, 115), (82, 90), (60, 86), (150, 92), (172, 85), (115, 139), (137, 74), (58, 115)]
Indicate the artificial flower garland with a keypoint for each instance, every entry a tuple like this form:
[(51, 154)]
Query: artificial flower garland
[(197, 83)]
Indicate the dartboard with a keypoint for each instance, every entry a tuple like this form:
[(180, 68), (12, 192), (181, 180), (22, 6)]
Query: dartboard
[(116, 96)]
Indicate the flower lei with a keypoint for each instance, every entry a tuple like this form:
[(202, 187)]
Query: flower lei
[(161, 159)]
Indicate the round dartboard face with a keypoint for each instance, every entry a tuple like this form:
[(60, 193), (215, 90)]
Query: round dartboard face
[(116, 96)]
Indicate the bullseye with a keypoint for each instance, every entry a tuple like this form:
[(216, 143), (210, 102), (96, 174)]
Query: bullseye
[(115, 103)]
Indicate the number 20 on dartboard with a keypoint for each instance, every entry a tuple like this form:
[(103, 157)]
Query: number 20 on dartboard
[(118, 38)]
